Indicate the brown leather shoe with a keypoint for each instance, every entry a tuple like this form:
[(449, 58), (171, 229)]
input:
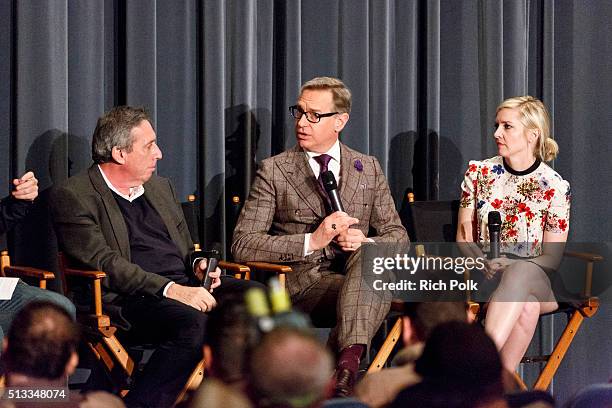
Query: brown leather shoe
[(345, 379)]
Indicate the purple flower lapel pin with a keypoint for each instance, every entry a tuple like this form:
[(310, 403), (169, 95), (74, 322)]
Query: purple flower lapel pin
[(358, 165)]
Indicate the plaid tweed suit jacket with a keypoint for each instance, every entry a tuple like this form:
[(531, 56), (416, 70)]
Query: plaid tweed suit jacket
[(285, 203)]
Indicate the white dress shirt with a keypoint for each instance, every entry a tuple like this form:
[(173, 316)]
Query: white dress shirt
[(333, 166)]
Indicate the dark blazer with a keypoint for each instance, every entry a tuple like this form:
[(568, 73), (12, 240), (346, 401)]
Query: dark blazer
[(285, 203), (92, 232), (12, 211)]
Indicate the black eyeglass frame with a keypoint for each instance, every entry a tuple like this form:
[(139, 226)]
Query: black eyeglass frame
[(297, 109)]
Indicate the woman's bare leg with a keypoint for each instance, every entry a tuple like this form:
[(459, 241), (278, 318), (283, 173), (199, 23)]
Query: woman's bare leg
[(514, 310), (515, 347)]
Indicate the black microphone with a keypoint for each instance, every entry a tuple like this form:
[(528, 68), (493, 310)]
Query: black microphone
[(212, 259), (331, 187), (494, 231)]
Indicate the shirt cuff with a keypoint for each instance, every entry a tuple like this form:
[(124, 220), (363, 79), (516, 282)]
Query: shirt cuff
[(306, 244), (166, 288)]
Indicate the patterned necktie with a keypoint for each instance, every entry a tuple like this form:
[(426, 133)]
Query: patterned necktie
[(323, 161)]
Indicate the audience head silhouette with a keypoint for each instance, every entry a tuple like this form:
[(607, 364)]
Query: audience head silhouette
[(42, 343), (290, 368)]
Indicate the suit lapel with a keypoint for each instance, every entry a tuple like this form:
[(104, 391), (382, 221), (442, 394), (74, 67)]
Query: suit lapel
[(112, 211), (298, 173), (350, 177)]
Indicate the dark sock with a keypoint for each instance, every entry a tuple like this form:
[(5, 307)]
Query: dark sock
[(350, 357)]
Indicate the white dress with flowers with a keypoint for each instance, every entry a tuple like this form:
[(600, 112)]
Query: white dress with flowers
[(530, 202)]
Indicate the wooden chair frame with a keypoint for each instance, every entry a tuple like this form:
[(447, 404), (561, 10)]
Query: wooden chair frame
[(576, 315), (9, 270), (100, 332), (27, 272)]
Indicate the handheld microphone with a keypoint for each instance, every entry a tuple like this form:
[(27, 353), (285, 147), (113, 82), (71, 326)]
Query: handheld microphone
[(494, 231), (331, 188), (212, 258)]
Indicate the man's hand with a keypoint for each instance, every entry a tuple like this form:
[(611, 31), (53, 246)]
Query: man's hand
[(351, 239), (26, 187), (331, 226), (196, 297), (215, 275)]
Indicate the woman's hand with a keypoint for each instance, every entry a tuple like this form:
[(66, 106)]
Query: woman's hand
[(497, 265)]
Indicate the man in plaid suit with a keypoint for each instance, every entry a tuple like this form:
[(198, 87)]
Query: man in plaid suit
[(287, 218)]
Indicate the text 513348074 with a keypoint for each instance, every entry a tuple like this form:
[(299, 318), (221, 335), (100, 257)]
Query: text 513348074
[(35, 394)]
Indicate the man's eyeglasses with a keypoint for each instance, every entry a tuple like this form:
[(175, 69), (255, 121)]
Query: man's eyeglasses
[(312, 117)]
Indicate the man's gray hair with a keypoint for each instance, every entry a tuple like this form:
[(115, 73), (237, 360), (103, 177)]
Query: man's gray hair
[(114, 130)]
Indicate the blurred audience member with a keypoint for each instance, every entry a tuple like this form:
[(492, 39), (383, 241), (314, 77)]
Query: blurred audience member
[(40, 352), (215, 394), (531, 399), (290, 368), (460, 368), (230, 336), (592, 396), (380, 388)]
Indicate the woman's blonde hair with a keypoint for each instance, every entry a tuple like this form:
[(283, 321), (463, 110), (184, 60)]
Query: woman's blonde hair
[(534, 116)]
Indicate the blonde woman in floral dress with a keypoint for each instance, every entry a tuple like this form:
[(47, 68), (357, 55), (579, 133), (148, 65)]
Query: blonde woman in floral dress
[(534, 203)]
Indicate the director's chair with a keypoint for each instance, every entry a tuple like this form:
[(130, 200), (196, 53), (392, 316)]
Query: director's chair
[(436, 221)]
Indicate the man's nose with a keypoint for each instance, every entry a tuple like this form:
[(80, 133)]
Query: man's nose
[(302, 121)]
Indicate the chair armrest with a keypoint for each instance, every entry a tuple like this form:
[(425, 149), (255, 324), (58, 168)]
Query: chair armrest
[(585, 256), (589, 258), (269, 267), (81, 273), (239, 271), (18, 271), (280, 270), (96, 279), (234, 267)]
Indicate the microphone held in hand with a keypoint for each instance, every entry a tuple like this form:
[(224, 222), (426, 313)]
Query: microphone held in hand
[(331, 188), (212, 259), (494, 233)]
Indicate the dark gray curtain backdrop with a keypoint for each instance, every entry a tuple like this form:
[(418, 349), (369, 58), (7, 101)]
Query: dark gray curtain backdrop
[(218, 75)]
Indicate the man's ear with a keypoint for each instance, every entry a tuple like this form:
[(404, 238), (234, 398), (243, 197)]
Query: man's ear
[(72, 363), (118, 155), (407, 332), (341, 120), (4, 345)]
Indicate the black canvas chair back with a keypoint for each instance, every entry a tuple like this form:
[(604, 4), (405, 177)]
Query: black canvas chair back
[(430, 221), (192, 216), (191, 210), (425, 221)]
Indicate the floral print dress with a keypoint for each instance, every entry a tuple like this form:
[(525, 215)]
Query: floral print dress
[(530, 202)]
